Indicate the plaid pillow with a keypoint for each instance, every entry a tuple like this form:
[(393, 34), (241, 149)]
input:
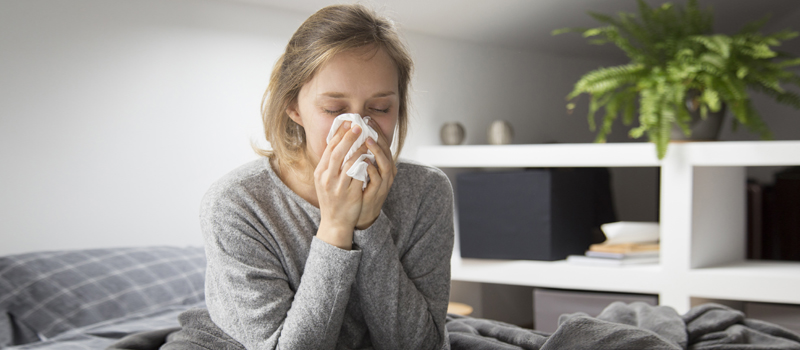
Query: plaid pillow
[(6, 332), (52, 292)]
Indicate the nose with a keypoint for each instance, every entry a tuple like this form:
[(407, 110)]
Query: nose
[(360, 111)]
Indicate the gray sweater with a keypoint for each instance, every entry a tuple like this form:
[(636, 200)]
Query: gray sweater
[(271, 283)]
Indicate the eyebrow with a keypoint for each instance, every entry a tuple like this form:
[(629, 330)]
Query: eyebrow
[(341, 95)]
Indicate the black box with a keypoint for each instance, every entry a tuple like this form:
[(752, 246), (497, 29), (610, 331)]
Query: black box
[(532, 214)]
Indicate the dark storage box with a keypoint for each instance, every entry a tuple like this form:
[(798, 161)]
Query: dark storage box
[(532, 214), (549, 304)]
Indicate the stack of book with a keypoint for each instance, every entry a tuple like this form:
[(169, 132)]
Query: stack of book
[(619, 254)]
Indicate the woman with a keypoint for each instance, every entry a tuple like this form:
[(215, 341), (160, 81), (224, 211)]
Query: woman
[(299, 257)]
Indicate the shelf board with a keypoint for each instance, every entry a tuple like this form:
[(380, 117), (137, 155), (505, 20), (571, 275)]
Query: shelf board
[(559, 274), (740, 153), (626, 154), (541, 155), (765, 281)]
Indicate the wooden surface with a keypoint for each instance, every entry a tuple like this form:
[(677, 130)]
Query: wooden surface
[(459, 309)]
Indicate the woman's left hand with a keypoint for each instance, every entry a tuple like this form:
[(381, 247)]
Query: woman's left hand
[(380, 179)]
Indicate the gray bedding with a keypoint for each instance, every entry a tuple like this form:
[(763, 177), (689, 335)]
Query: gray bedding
[(629, 326), (103, 334), (152, 297), (619, 326), (87, 299)]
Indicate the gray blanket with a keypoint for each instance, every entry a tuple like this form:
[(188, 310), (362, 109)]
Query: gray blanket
[(629, 326), (619, 326)]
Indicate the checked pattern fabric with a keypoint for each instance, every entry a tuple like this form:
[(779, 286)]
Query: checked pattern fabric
[(44, 294)]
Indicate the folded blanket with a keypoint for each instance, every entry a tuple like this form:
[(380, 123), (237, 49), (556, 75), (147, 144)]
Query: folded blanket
[(629, 326), (619, 326)]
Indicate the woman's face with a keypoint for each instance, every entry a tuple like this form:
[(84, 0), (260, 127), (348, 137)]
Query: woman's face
[(362, 81)]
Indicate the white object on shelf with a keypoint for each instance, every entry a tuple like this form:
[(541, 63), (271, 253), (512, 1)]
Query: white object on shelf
[(630, 232), (702, 221)]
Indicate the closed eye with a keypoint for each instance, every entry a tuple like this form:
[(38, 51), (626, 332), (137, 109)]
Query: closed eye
[(337, 112)]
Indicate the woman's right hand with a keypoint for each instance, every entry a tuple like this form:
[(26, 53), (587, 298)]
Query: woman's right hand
[(339, 195)]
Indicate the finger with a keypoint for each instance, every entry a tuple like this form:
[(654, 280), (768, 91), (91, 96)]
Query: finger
[(375, 180), (382, 140), (385, 165), (340, 133), (337, 137), (340, 150), (349, 163)]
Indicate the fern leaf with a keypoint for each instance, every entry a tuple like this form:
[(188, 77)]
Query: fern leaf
[(720, 44), (756, 124), (714, 60), (612, 110), (664, 131), (606, 79), (593, 107), (788, 63), (629, 108), (710, 98), (783, 35), (785, 97), (734, 88), (762, 50)]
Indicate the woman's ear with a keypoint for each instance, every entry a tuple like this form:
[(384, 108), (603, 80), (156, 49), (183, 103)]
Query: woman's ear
[(293, 113)]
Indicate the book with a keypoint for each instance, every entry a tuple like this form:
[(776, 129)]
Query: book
[(630, 255), (588, 260), (755, 224), (624, 248)]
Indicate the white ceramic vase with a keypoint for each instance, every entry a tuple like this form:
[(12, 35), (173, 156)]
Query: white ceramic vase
[(500, 133), (452, 134)]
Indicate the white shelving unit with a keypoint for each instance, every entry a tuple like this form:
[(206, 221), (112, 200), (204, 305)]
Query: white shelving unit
[(702, 221)]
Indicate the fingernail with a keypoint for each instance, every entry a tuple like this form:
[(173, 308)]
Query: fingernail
[(370, 141), (356, 129)]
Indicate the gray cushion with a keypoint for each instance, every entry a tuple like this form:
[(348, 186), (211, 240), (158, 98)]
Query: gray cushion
[(6, 332), (52, 292)]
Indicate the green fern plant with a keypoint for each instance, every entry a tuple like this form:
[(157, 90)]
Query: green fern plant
[(672, 51)]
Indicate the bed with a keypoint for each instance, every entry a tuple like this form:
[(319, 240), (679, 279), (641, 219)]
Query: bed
[(89, 299), (131, 298)]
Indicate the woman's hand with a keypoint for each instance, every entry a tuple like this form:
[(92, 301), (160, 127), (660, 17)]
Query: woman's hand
[(340, 197), (380, 179)]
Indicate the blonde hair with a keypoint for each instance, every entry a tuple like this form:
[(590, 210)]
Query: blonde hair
[(326, 33)]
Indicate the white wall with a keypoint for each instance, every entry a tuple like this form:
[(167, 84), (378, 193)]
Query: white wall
[(475, 85), (116, 116)]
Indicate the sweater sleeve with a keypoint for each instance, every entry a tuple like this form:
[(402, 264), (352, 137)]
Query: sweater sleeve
[(404, 297), (248, 293)]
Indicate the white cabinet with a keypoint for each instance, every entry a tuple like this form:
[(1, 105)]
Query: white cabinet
[(703, 214)]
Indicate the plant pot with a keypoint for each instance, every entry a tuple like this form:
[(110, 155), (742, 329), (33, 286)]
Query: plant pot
[(701, 129)]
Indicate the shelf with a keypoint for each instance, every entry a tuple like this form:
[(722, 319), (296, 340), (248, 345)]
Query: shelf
[(702, 217), (544, 155), (628, 154), (740, 153), (551, 274), (765, 281)]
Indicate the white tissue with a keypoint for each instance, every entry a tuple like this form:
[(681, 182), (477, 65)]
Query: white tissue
[(358, 170), (630, 232)]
